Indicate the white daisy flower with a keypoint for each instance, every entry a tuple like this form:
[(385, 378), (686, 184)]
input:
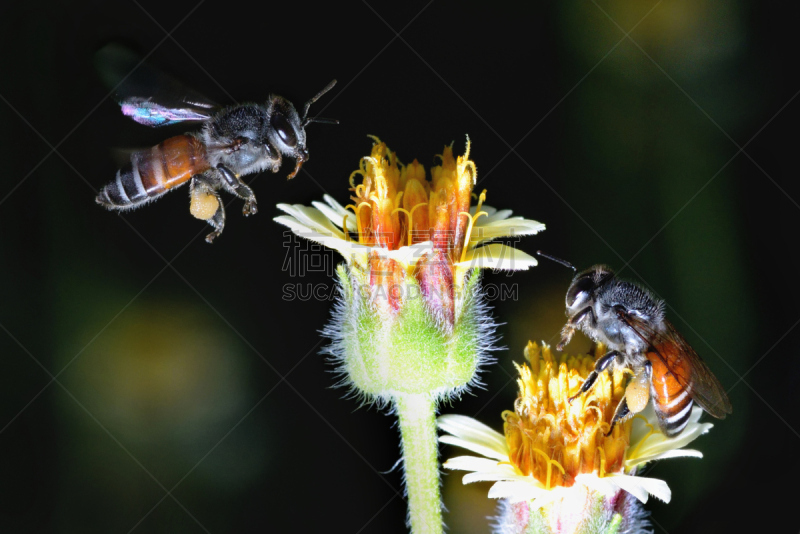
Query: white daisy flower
[(556, 454)]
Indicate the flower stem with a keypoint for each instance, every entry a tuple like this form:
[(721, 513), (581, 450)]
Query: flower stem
[(417, 415)]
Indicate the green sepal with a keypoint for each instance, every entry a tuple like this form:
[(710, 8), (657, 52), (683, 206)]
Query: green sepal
[(407, 351)]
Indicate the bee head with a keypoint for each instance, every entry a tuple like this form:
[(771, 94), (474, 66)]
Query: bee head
[(286, 129)]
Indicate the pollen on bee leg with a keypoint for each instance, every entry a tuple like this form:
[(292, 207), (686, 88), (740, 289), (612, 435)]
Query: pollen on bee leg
[(203, 205), (638, 392)]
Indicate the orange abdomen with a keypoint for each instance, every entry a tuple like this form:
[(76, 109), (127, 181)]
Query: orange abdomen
[(155, 171), (671, 400), (170, 163)]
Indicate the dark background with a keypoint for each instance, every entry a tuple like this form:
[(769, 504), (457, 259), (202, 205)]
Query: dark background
[(189, 395)]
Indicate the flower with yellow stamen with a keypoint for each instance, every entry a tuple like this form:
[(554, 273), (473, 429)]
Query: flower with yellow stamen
[(411, 327), (412, 319), (398, 221), (557, 467)]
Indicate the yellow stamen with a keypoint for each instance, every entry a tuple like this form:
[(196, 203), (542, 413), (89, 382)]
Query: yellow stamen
[(481, 200), (550, 462), (468, 233), (353, 176), (602, 461), (470, 221), (359, 190), (544, 421), (466, 152), (344, 228), (358, 220)]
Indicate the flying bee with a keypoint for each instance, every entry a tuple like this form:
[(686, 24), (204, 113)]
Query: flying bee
[(234, 141), (631, 323)]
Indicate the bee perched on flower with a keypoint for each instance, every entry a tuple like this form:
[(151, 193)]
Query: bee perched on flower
[(411, 327), (559, 467)]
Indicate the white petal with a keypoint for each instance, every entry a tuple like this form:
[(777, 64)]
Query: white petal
[(516, 226), (333, 203), (689, 434), (345, 248), (311, 218), (675, 453), (473, 463), (516, 491), (484, 469), (488, 209), (498, 215), (304, 230), (490, 476), (342, 211), (483, 449), (491, 443), (498, 257), (639, 487), (633, 485), (337, 217), (647, 446)]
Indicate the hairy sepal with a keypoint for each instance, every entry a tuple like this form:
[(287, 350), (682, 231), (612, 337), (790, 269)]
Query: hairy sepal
[(381, 354)]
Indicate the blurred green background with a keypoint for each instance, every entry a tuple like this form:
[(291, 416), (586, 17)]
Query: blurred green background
[(153, 383)]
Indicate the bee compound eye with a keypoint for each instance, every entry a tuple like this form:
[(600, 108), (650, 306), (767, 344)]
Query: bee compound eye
[(579, 290), (284, 130)]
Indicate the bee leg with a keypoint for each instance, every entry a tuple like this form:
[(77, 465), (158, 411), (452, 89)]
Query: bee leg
[(621, 414), (599, 366), (218, 222), (235, 185), (206, 204), (274, 157), (569, 328)]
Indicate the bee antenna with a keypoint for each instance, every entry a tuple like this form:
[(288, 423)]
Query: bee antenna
[(565, 263), (314, 99), (320, 120)]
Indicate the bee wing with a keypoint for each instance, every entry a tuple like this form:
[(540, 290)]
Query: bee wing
[(146, 94), (675, 352), (146, 111)]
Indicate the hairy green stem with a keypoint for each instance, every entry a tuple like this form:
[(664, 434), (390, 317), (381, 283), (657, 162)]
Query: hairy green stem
[(417, 415)]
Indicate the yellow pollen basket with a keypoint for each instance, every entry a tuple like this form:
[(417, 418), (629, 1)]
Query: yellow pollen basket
[(555, 440)]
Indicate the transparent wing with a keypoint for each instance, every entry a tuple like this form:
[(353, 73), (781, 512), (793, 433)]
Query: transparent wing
[(146, 94), (684, 364), (146, 111)]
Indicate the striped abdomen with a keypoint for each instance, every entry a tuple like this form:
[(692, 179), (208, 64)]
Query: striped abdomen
[(155, 171), (671, 400)]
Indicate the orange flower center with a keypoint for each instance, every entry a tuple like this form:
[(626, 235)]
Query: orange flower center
[(395, 205), (555, 440)]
